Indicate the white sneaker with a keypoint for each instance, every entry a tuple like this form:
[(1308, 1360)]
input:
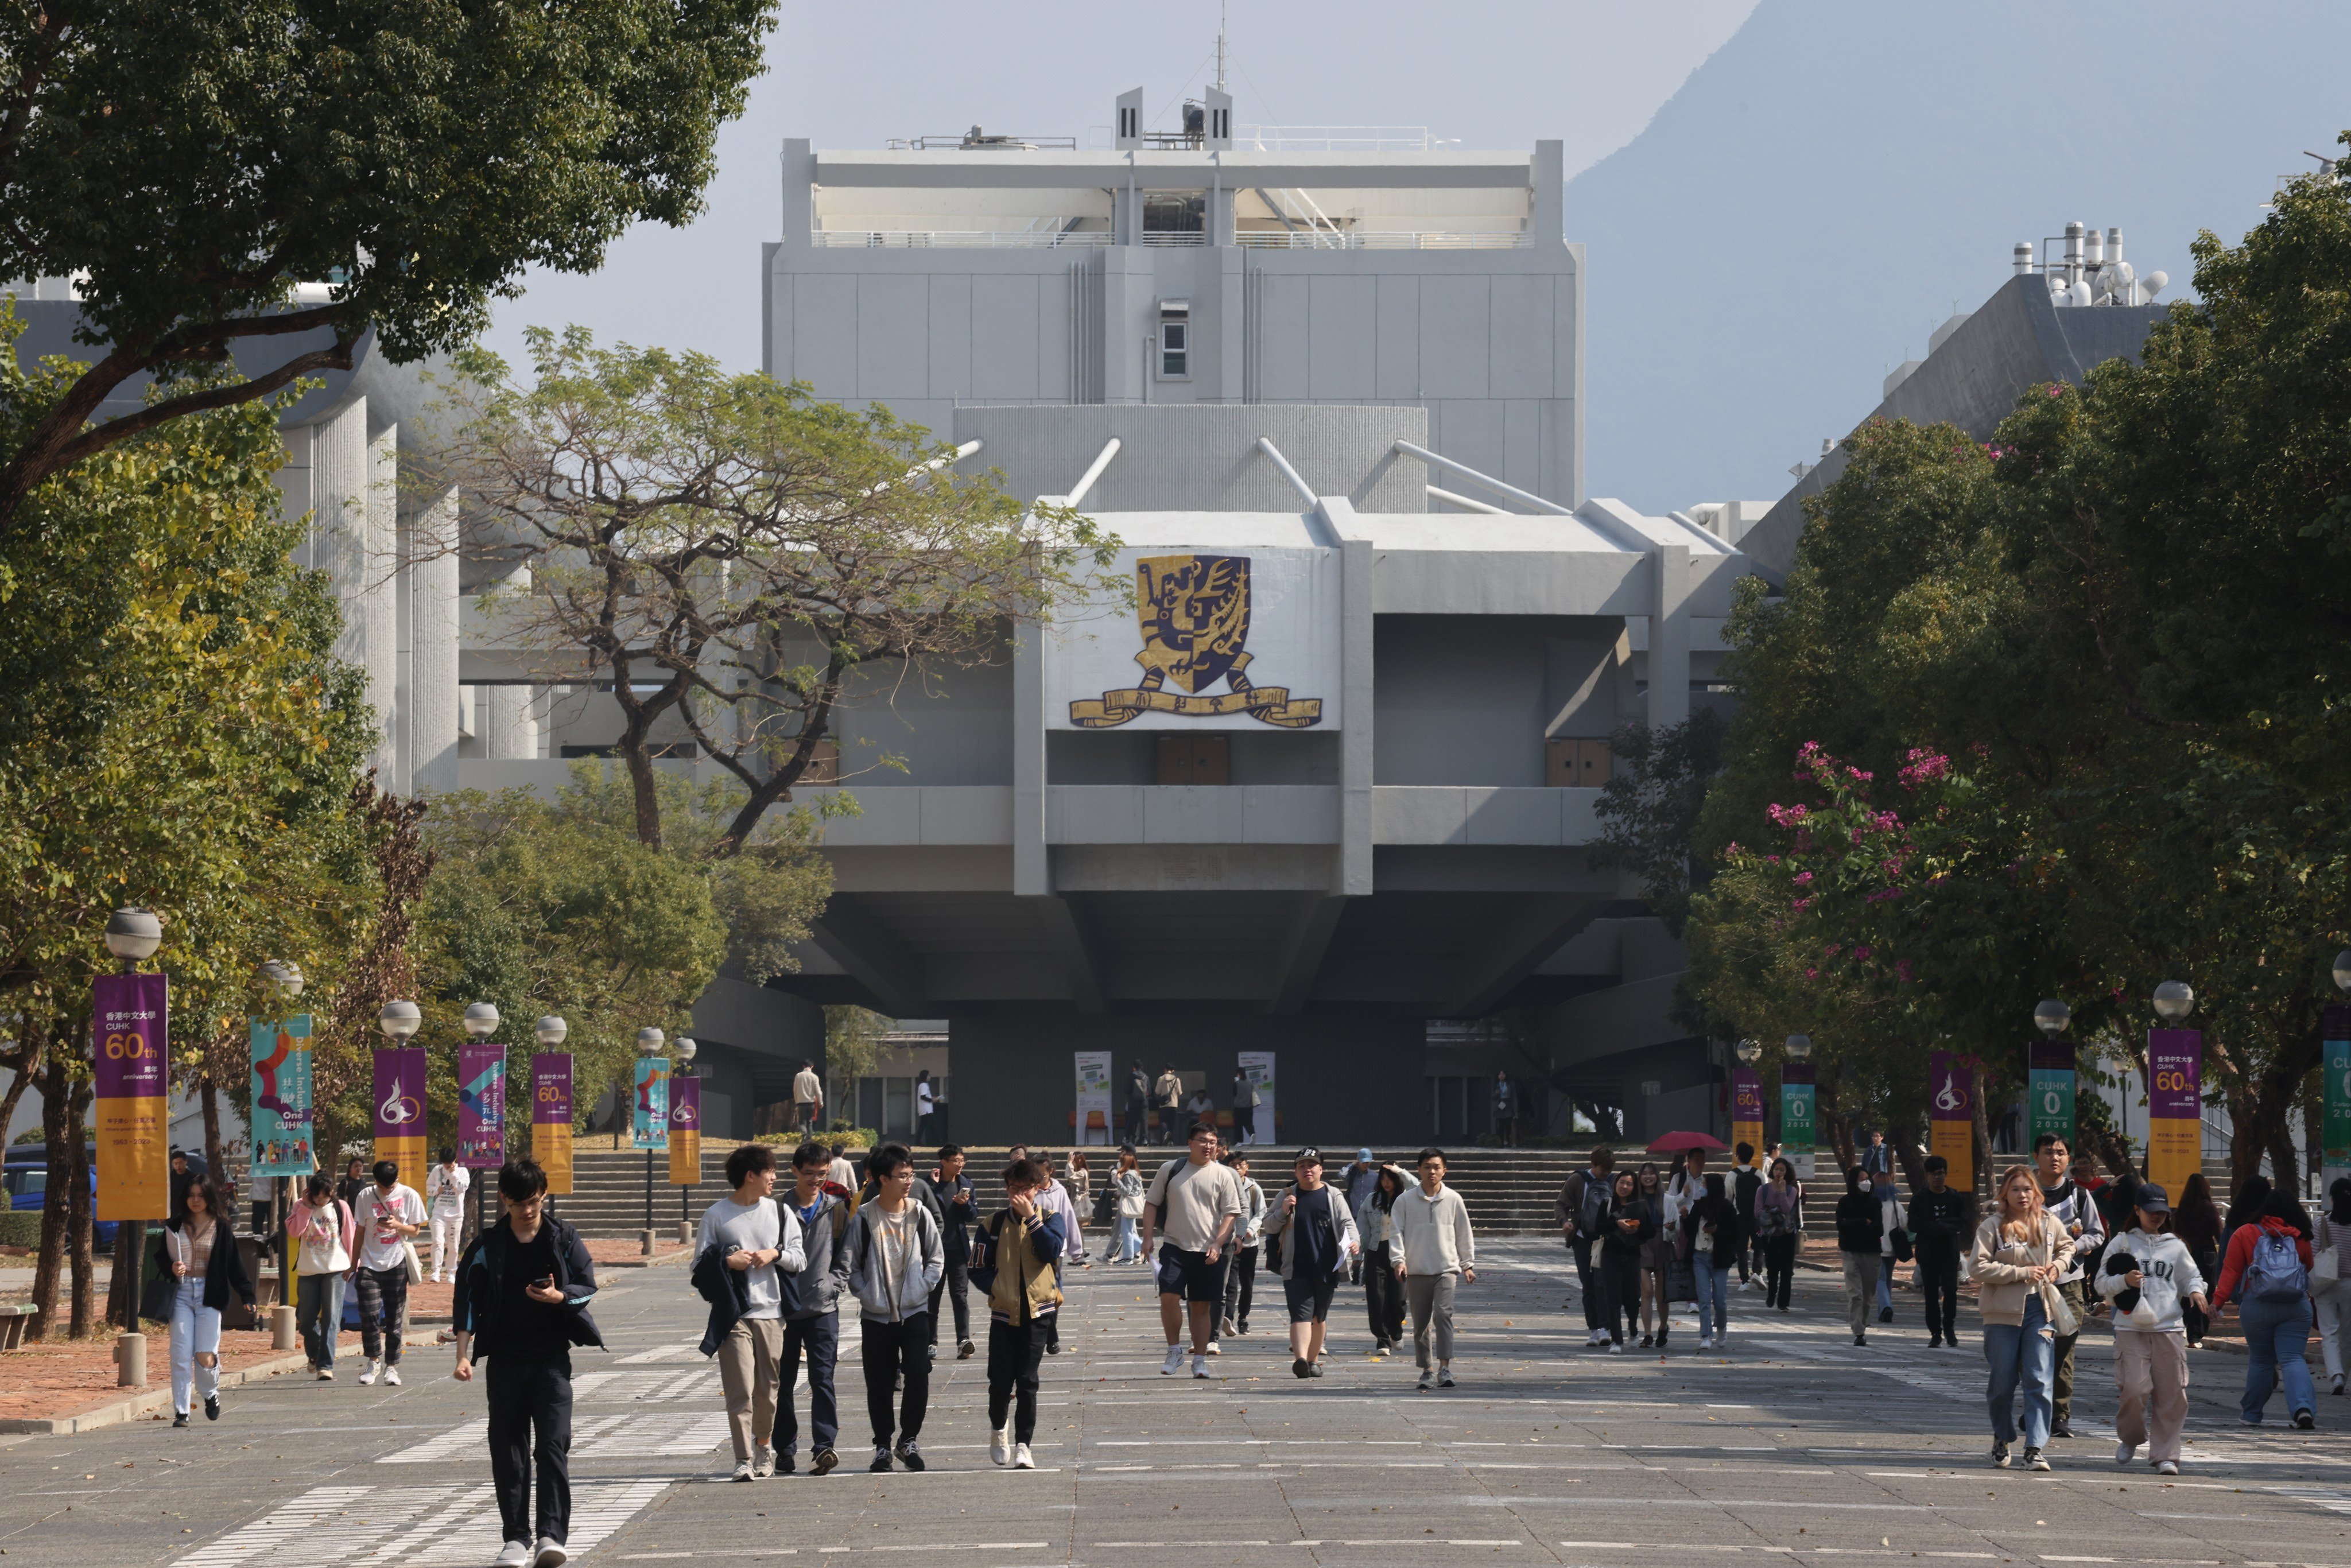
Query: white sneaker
[(999, 1446), (368, 1375), (2168, 1467), (1175, 1362), (1215, 1349), (1706, 1342), (513, 1554), (391, 1375), (1597, 1336), (763, 1461), (1022, 1460), (743, 1472), (2125, 1452), (1199, 1366), (326, 1374), (1615, 1347), (551, 1554)]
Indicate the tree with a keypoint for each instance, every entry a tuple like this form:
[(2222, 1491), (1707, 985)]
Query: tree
[(735, 558), (1649, 809), (189, 165)]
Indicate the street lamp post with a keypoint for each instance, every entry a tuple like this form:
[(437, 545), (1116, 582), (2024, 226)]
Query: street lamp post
[(686, 1049), (481, 1022), (133, 934), (284, 981), (650, 1041)]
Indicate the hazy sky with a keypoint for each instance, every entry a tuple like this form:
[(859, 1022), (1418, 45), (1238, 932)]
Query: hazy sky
[(1492, 73)]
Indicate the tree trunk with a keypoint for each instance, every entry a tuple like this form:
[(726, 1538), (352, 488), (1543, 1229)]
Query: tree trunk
[(215, 1164), (56, 1106), (1979, 1133), (25, 1071), (78, 1218), (2244, 1137)]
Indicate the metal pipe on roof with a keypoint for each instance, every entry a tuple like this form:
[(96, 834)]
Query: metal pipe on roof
[(1486, 480), (1449, 498), (1092, 473), (933, 466), (1265, 445)]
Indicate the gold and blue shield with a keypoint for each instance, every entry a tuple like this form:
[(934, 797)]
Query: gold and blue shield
[(1195, 611)]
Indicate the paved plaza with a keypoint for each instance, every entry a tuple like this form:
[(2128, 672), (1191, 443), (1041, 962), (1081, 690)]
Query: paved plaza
[(1791, 1447)]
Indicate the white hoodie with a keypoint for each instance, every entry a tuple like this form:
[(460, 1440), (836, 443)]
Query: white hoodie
[(2166, 1277)]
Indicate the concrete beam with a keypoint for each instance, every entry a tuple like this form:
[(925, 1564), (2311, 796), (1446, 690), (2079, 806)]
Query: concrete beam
[(1531, 928), (1300, 959), (872, 957), (1072, 944)]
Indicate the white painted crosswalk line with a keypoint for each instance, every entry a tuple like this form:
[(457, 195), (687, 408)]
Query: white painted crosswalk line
[(629, 1436), (410, 1526)]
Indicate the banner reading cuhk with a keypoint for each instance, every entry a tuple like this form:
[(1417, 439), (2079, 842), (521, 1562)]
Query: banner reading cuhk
[(1951, 1117), (481, 1105), (1747, 1108), (684, 1132), (282, 1108), (551, 1118), (651, 1127), (399, 1111), (2049, 1098), (130, 1039), (1797, 1099), (2175, 1106), (2335, 1036)]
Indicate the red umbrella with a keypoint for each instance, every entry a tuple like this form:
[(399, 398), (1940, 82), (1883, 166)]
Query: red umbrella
[(1675, 1143)]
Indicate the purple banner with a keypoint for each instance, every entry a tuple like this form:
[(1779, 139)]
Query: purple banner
[(128, 1033), (551, 1088), (480, 1104), (2175, 1073), (1948, 1098)]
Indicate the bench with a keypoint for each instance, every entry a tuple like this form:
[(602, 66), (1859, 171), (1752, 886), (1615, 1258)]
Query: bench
[(13, 1322)]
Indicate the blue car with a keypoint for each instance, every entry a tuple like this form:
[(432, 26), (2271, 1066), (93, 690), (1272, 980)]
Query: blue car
[(28, 1184)]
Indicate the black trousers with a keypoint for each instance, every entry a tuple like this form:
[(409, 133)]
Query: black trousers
[(892, 1350), (1241, 1286), (1747, 1251), (1384, 1295), (1244, 1123), (956, 1285), (1137, 1120), (1619, 1291), (1778, 1268), (1938, 1282), (1015, 1351), (526, 1395), (820, 1336), (1587, 1279)]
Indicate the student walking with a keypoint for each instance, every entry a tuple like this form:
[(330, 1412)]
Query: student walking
[(387, 1213), (2075, 1208), (1138, 1103), (2330, 1295), (956, 1206), (1126, 1209), (2196, 1220), (1020, 1248), (1711, 1223), (2157, 1277), (1778, 1226), (745, 1244), (1892, 1238), (445, 1186), (206, 1270), (807, 1098), (1436, 1252), (1941, 1224), (811, 1311), (1054, 1199), (895, 1255), (1318, 1235), (2267, 1274), (1632, 1225), (1167, 1099), (1245, 1104), (1746, 1181), (2019, 1253), (1201, 1201), (1581, 1213), (1656, 1254), (1861, 1233), (326, 1240), (1382, 1287), (521, 1303), (1249, 1231), (1357, 1181)]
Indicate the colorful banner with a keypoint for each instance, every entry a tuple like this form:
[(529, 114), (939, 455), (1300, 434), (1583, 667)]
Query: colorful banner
[(281, 1098), (2048, 1096), (1951, 1117), (1259, 1066), (130, 1042), (2175, 1107), (399, 1111), (2335, 1033), (1797, 1099), (1747, 1109), (684, 1132), (481, 1105), (551, 1118), (650, 1125), (1092, 1124)]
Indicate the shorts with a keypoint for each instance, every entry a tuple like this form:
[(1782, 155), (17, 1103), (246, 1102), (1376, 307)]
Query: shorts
[(1190, 1274), (1310, 1299)]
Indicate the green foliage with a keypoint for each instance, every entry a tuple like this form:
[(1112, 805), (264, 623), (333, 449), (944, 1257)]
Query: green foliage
[(1649, 809), (853, 1044)]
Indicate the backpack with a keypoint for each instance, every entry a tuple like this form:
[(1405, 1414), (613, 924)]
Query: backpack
[(2275, 1273)]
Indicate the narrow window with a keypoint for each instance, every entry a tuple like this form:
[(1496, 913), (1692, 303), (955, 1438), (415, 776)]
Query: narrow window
[(1173, 350)]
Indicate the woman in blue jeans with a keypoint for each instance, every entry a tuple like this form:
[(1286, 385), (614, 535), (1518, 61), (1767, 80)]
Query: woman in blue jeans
[(2267, 1274), (1713, 1226), (2019, 1250), (204, 1271)]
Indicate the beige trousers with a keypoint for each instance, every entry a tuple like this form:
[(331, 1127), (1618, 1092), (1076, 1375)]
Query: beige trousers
[(2151, 1370), (748, 1360), (1860, 1287)]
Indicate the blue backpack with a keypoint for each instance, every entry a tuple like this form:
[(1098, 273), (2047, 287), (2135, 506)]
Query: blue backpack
[(2276, 1273)]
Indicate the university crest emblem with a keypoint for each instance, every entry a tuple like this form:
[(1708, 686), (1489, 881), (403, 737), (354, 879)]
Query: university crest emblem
[(1195, 611)]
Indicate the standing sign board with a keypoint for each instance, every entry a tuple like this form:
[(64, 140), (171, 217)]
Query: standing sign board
[(282, 1108), (399, 1109), (684, 1132), (1951, 1113), (129, 1037), (1797, 1099), (2175, 1106), (1092, 1124), (1747, 1108), (551, 1118), (2335, 1035), (481, 1105), (1256, 1066), (650, 1125), (2049, 1098)]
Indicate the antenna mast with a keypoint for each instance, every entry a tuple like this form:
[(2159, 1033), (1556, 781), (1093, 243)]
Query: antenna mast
[(1221, 11)]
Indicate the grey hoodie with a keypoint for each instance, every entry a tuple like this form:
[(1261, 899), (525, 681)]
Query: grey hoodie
[(817, 1289), (927, 1264)]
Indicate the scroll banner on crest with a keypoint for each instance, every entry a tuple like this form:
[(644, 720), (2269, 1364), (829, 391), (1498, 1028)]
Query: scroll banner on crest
[(481, 1105), (684, 1132), (1951, 1117), (551, 1118), (129, 1038), (1194, 615), (1092, 1123), (2335, 1036), (1798, 1098), (1256, 1066), (399, 1109), (2175, 1106), (282, 1105), (1747, 1108), (2049, 1094), (650, 1126)]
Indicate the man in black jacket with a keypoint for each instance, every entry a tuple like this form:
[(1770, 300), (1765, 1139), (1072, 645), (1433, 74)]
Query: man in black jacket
[(811, 1312), (521, 1302), (1746, 1181), (953, 1191), (1942, 1226)]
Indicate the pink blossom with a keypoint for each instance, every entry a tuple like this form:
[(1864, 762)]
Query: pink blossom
[(1902, 968), (1861, 952), (1812, 973), (1785, 816), (1803, 878), (1801, 904)]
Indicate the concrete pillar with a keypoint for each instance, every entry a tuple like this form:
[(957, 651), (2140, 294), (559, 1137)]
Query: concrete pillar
[(508, 718), (1232, 320), (1670, 635), (381, 589), (340, 466), (432, 664), (1032, 871), (1547, 207), (800, 193), (1355, 566)]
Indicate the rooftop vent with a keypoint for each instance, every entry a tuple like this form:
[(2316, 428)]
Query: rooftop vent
[(2091, 270)]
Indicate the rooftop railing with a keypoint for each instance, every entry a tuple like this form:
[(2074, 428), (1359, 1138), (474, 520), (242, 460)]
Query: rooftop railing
[(958, 239), (1380, 239), (1049, 239)]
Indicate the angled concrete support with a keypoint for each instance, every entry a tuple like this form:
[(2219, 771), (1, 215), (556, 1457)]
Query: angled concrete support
[(1309, 937), (872, 958), (1065, 929), (1530, 929)]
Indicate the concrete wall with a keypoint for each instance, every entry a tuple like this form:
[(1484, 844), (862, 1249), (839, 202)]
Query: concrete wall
[(1468, 699)]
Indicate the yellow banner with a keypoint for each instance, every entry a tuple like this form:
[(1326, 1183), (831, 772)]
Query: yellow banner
[(408, 1154), (551, 1146), (1266, 705), (2175, 1150), (1956, 1142), (134, 1165), (684, 1158)]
